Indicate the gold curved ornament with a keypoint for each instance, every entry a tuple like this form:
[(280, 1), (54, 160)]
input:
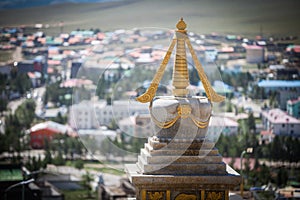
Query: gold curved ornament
[(198, 123), (186, 197), (150, 92), (211, 94), (184, 112)]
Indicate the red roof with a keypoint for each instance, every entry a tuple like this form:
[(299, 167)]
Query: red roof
[(266, 133)]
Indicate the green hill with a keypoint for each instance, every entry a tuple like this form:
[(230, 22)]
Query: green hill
[(202, 16)]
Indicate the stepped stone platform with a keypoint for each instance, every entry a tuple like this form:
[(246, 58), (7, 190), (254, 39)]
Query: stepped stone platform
[(180, 158), (181, 169)]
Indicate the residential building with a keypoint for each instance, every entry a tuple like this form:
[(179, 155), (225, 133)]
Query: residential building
[(286, 90), (293, 107), (255, 54), (38, 64), (279, 122), (82, 115), (226, 125), (266, 137), (93, 114)]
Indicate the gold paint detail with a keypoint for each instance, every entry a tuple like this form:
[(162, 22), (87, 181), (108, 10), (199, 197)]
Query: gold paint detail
[(211, 94), (168, 197), (202, 194), (214, 196), (150, 92), (186, 197), (156, 195), (183, 111), (180, 71), (181, 25), (144, 194)]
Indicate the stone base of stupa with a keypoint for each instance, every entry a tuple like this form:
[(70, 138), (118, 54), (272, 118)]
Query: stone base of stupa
[(169, 187), (181, 169)]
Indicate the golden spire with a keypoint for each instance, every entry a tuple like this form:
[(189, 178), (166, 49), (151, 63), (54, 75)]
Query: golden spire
[(180, 71)]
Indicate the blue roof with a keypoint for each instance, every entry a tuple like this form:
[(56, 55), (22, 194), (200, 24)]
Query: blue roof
[(278, 83)]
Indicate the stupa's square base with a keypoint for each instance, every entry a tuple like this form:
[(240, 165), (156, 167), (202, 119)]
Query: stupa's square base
[(177, 187)]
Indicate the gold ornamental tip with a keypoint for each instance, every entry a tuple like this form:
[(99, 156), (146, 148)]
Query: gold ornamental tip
[(181, 25), (180, 71)]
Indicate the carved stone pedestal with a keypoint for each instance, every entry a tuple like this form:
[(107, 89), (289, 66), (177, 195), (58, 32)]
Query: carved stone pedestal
[(185, 187)]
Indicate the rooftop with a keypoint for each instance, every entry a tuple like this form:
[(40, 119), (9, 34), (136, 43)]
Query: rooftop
[(59, 128), (277, 116), (278, 83), (293, 101)]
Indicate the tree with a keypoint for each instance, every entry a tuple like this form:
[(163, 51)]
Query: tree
[(276, 151), (263, 174), (20, 82), (58, 159), (86, 183), (251, 122), (25, 113), (113, 125), (48, 156), (13, 134), (3, 104), (79, 164), (282, 177), (60, 119), (228, 106), (102, 86)]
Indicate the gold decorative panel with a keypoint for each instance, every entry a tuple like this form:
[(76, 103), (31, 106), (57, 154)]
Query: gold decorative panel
[(186, 197), (214, 195)]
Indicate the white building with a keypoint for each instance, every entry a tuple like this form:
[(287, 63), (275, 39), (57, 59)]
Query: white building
[(93, 114), (225, 124), (280, 123)]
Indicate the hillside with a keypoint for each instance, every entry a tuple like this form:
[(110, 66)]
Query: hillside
[(202, 16)]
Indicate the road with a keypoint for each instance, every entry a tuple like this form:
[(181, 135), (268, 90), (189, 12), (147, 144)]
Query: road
[(109, 179)]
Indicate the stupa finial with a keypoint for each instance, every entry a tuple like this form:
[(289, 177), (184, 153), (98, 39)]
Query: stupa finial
[(181, 25), (180, 72)]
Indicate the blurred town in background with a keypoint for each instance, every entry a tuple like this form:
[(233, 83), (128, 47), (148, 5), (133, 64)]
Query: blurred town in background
[(69, 120)]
